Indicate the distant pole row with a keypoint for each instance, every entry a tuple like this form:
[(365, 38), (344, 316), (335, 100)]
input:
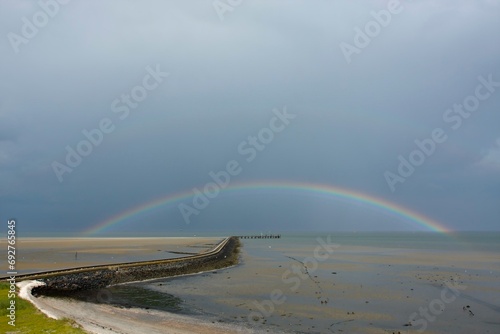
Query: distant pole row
[(262, 236)]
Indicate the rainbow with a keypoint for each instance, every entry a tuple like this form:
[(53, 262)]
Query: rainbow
[(405, 214)]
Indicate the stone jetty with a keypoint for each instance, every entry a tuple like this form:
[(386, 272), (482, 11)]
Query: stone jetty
[(63, 282)]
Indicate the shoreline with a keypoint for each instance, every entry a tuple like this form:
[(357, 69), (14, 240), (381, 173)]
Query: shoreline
[(99, 318), (109, 319), (357, 289), (128, 320)]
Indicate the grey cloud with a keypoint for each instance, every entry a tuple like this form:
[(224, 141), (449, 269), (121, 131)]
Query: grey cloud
[(353, 120)]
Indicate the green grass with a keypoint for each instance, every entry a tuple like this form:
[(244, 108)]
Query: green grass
[(29, 320)]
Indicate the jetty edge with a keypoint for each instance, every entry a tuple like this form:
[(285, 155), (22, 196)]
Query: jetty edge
[(66, 281)]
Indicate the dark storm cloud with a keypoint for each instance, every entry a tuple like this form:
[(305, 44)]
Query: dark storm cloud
[(225, 78)]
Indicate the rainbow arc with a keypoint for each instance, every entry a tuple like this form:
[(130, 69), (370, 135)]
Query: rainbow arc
[(405, 215)]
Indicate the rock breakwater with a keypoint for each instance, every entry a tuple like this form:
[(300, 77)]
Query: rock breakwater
[(63, 283)]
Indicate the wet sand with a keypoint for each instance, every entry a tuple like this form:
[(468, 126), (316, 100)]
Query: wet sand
[(355, 289), (106, 319), (42, 254)]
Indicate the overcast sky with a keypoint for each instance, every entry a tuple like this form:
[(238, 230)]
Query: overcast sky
[(361, 92)]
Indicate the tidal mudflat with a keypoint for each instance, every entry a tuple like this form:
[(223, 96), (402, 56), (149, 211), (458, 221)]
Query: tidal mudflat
[(42, 254), (297, 285), (317, 284)]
